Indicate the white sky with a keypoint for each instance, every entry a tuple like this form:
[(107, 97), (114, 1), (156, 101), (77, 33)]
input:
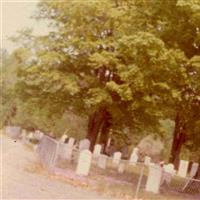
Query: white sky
[(16, 16)]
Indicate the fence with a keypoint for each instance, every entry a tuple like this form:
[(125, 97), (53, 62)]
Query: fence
[(134, 179)]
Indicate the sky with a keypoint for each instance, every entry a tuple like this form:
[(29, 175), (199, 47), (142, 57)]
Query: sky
[(16, 15)]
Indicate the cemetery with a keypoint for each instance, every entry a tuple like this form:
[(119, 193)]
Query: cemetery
[(100, 99)]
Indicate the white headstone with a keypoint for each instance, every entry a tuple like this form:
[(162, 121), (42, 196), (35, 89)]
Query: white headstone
[(154, 179), (108, 143), (63, 138), (117, 158), (97, 150), (121, 168), (134, 156), (168, 173), (84, 163), (183, 168), (71, 141), (194, 169), (84, 144), (147, 160), (102, 160)]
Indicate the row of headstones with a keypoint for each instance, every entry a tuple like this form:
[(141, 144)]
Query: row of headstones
[(49, 149)]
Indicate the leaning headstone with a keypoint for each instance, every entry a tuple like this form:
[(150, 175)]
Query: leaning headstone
[(84, 163), (121, 168), (71, 142), (117, 158), (194, 169), (134, 157), (147, 160), (13, 131), (183, 168), (154, 178), (84, 144), (97, 150), (63, 138), (48, 152), (102, 161)]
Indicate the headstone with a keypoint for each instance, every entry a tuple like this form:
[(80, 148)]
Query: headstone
[(84, 163), (183, 168), (117, 158), (71, 142), (102, 161), (13, 131), (154, 179), (147, 160), (134, 157), (97, 150), (194, 169), (121, 168), (168, 173), (84, 144), (38, 135), (48, 152), (63, 138), (65, 151)]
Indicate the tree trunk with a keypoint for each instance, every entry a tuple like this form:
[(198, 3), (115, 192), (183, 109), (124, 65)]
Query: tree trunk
[(179, 138), (105, 132), (95, 122)]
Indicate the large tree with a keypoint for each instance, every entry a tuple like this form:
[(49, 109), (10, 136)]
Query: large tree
[(124, 63)]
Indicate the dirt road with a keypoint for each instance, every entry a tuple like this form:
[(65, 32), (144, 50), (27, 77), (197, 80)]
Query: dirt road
[(19, 183)]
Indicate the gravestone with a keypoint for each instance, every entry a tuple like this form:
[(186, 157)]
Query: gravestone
[(194, 169), (48, 151), (71, 142), (154, 178), (102, 161), (134, 157), (65, 151), (147, 160), (183, 168), (84, 144), (84, 163), (121, 168), (63, 138), (168, 173), (38, 135), (13, 131), (108, 142), (117, 158), (97, 150)]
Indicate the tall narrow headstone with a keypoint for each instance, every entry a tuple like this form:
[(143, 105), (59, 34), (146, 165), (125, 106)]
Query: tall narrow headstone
[(154, 178), (183, 168), (97, 150), (117, 158), (84, 163), (134, 157)]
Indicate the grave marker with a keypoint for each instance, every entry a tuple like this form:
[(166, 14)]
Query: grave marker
[(117, 158), (97, 150), (102, 161), (84, 163), (183, 168), (84, 144), (194, 169)]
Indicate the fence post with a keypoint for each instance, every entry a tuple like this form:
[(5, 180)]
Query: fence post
[(139, 182)]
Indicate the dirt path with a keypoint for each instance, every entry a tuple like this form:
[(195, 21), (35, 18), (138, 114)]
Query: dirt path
[(19, 183)]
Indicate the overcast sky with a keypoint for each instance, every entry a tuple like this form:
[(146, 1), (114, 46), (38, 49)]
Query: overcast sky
[(15, 16)]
